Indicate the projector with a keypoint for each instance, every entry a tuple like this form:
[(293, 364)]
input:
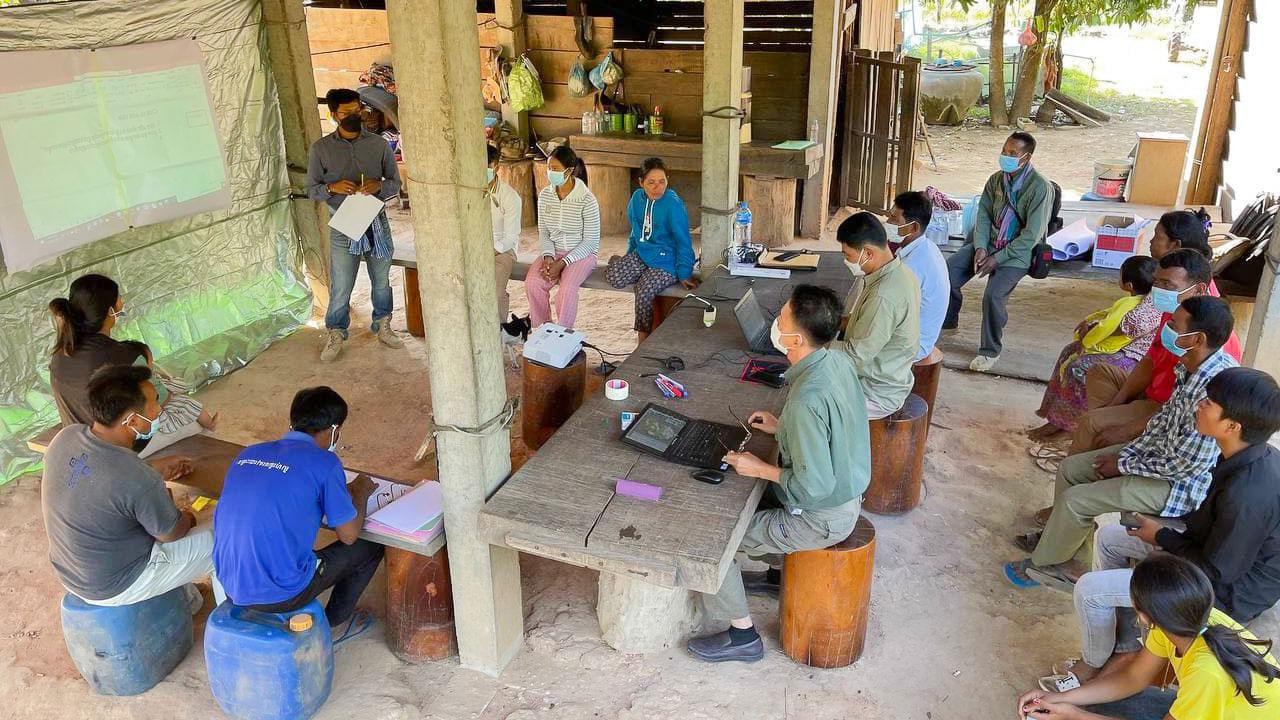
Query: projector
[(553, 345)]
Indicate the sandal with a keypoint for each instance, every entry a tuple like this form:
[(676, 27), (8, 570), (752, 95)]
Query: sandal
[(360, 622), (1042, 516), (1026, 542), (1055, 576), (1049, 465), (1041, 452), (1016, 573)]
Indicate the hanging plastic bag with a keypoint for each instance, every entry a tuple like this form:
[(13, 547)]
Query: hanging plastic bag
[(523, 86), (579, 83), (612, 72), (1028, 36), (597, 72)]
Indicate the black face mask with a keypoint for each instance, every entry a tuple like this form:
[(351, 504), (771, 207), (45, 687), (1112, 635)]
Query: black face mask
[(351, 123)]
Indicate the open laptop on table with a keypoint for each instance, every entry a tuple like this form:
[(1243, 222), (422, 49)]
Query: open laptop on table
[(684, 440), (754, 324)]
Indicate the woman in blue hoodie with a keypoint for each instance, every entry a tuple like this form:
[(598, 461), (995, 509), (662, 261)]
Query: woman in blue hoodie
[(660, 249)]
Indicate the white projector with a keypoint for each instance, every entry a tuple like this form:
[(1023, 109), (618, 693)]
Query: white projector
[(553, 345)]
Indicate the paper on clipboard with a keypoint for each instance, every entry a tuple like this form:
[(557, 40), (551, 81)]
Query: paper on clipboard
[(356, 213)]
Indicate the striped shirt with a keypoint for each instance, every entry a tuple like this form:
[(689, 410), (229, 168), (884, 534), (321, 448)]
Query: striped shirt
[(571, 225), (1171, 448)]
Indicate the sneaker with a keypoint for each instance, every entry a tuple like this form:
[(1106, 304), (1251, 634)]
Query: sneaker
[(332, 346), (720, 648), (982, 363), (387, 337)]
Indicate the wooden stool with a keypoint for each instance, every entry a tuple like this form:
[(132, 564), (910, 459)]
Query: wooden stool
[(663, 306), (519, 175), (825, 600), (928, 372), (897, 459), (419, 606), (773, 208), (612, 187), (549, 396)]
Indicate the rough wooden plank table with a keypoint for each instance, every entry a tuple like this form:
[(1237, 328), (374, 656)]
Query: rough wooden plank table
[(685, 153), (561, 504)]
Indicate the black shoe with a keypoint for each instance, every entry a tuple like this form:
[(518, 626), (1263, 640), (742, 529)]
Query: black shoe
[(762, 583), (720, 648)]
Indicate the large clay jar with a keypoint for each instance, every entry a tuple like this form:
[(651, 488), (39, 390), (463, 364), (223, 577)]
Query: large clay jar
[(947, 93)]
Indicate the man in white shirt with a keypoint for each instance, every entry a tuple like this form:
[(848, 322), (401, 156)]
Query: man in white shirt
[(505, 208), (905, 226)]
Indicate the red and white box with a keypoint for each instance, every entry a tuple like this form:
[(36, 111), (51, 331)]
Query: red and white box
[(1117, 240)]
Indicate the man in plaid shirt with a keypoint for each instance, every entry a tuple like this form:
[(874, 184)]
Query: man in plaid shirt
[(1166, 471)]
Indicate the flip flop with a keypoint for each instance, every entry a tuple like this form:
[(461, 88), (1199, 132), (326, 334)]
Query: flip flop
[(1040, 452), (1049, 465), (1052, 576), (1042, 517), (360, 622), (1026, 542), (1016, 573)]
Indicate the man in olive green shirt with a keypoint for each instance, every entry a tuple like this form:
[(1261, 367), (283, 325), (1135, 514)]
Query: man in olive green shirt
[(824, 464), (1013, 216), (883, 333)]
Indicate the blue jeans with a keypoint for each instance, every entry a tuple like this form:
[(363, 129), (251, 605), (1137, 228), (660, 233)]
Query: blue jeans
[(343, 267)]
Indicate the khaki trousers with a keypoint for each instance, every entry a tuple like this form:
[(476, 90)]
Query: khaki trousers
[(1101, 384), (502, 263), (1080, 494)]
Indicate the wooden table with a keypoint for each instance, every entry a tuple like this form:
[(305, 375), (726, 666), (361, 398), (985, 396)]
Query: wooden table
[(561, 504)]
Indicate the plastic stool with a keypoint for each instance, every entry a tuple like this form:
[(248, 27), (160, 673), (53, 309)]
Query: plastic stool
[(126, 650), (269, 666)]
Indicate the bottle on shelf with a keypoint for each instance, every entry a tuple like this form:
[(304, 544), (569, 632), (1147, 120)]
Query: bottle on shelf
[(656, 121)]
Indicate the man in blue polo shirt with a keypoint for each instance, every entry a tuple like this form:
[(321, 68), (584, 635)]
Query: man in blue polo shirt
[(275, 496)]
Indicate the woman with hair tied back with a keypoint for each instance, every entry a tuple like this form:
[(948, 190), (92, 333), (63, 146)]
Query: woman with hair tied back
[(1224, 672), (568, 238), (83, 322)]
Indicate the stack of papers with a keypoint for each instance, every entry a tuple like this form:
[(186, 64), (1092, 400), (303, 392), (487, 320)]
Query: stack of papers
[(414, 514)]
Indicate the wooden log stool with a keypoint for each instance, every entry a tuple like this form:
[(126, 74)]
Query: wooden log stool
[(825, 600), (897, 459), (519, 175), (928, 372), (419, 606), (549, 396), (773, 208), (612, 187)]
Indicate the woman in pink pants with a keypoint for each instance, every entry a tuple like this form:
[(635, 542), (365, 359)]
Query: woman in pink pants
[(569, 235)]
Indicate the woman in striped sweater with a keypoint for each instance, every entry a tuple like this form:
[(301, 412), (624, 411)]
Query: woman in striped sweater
[(569, 235)]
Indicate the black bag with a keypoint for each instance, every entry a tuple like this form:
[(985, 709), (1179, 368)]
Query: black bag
[(1042, 252)]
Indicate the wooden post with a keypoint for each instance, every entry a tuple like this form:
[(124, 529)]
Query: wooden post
[(824, 79), (437, 58), (1264, 326), (773, 209), (1215, 113), (721, 87), (639, 617), (290, 61), (419, 606), (509, 15)]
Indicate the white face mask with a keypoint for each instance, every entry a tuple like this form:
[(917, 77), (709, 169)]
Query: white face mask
[(333, 440), (776, 335), (855, 267)]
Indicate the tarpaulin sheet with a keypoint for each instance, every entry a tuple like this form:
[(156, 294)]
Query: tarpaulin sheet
[(206, 292)]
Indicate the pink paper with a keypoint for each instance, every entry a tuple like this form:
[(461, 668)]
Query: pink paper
[(643, 491)]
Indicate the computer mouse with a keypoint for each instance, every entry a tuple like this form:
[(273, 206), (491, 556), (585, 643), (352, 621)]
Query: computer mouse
[(714, 477)]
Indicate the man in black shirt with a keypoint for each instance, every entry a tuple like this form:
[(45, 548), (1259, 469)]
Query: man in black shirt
[(1234, 536)]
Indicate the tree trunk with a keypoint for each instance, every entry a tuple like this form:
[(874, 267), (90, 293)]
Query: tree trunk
[(1024, 91), (995, 77)]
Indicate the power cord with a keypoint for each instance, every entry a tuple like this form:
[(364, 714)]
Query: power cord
[(605, 367)]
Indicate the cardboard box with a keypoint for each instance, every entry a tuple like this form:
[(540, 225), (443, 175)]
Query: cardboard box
[(1117, 240)]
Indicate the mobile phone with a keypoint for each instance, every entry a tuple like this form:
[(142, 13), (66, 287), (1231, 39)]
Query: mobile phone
[(1130, 519), (783, 257)]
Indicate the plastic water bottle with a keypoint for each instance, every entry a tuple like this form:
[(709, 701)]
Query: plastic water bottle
[(937, 232), (742, 225)]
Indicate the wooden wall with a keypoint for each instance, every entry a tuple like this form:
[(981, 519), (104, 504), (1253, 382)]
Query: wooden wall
[(345, 42)]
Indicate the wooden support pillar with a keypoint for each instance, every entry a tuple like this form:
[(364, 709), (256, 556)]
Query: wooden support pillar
[(290, 60), (509, 15), (640, 617), (824, 79), (437, 57), (721, 87), (1216, 111), (1264, 326)]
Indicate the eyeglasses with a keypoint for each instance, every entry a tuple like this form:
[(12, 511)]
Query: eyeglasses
[(743, 445)]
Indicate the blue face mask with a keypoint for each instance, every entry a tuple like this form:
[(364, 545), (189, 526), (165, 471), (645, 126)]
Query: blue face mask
[(557, 177), (1009, 164), (151, 424), (1167, 301), (1169, 339), (489, 175), (333, 440)]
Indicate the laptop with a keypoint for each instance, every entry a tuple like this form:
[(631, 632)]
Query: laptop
[(754, 324), (679, 439)]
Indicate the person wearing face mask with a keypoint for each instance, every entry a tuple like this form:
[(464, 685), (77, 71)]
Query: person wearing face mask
[(115, 536), (568, 238), (823, 465), (882, 336), (1119, 403), (1234, 536), (505, 208), (273, 501), (1013, 215), (908, 218), (660, 248), (348, 161), (1165, 472), (1223, 671)]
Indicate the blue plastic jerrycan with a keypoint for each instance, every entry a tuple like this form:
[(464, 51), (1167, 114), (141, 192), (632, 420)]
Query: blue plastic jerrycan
[(269, 666), (126, 650)]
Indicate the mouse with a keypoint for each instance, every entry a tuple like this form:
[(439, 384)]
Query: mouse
[(714, 477)]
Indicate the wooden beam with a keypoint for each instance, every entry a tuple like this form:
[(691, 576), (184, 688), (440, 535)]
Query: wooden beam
[(509, 17), (436, 52), (290, 61), (1215, 114), (824, 78), (1078, 105), (721, 87), (1070, 111)]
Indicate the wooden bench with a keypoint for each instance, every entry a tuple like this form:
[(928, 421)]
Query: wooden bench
[(406, 257)]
